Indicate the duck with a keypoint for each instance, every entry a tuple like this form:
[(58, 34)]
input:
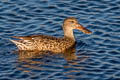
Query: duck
[(51, 43)]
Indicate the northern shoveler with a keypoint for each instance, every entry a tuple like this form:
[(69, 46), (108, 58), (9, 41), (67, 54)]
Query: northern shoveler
[(51, 43)]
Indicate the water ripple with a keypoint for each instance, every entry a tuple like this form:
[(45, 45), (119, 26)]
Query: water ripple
[(96, 57)]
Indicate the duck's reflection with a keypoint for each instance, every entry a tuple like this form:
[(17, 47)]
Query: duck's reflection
[(35, 59), (68, 54)]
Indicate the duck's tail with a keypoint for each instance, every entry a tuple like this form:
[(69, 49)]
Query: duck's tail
[(19, 44), (22, 44)]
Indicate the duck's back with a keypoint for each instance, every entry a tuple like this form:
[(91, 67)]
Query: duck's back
[(43, 43)]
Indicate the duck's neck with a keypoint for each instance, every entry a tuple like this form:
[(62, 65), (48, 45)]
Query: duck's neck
[(68, 33)]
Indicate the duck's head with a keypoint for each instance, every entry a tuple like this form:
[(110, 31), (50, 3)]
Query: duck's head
[(72, 23)]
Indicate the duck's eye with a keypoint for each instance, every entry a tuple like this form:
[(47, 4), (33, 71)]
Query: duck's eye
[(72, 21)]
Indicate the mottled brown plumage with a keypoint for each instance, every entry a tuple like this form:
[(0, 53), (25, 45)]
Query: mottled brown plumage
[(51, 43)]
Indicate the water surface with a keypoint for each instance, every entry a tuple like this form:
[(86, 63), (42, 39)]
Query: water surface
[(97, 56)]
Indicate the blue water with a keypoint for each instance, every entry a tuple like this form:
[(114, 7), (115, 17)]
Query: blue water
[(97, 55)]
